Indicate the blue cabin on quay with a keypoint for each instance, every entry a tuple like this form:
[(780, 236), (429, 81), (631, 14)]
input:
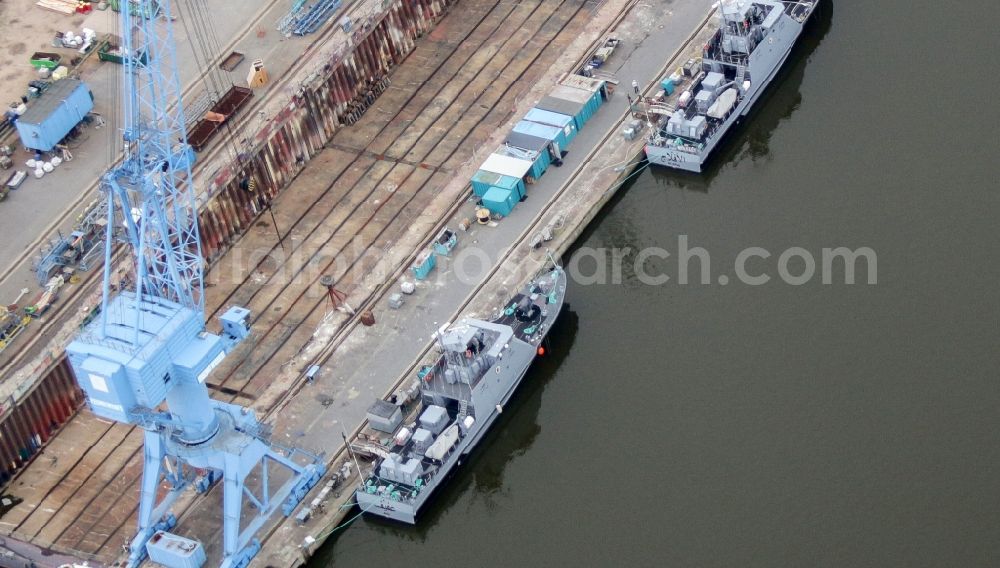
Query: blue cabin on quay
[(578, 110), (500, 201), (587, 102), (566, 123), (509, 167), (597, 90), (484, 180), (553, 134), (54, 114), (537, 154)]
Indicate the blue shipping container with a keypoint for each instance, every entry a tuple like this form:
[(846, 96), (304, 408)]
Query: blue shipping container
[(483, 181), (50, 118), (424, 263), (567, 123), (596, 89), (511, 184), (500, 201), (550, 133), (579, 111), (591, 99)]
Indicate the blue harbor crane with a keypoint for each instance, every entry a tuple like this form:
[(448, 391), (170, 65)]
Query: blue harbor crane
[(145, 360)]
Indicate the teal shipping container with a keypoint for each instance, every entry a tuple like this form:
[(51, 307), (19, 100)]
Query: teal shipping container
[(424, 263), (509, 167), (566, 123), (596, 88), (580, 112), (539, 157), (483, 181), (513, 185), (592, 101), (551, 133), (500, 201)]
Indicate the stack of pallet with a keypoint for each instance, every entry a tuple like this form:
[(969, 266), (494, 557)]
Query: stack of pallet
[(64, 6)]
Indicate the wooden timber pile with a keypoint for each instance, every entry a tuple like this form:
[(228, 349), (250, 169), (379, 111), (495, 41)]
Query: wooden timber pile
[(64, 6)]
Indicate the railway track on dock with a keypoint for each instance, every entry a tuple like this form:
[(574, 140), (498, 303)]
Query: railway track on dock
[(350, 199)]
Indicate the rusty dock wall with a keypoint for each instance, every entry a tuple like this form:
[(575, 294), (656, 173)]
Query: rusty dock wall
[(28, 421), (336, 95)]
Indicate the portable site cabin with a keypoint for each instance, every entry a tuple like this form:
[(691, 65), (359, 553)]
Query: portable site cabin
[(500, 201), (538, 156), (502, 171), (56, 112), (510, 167), (484, 180), (553, 134), (566, 123), (590, 101), (598, 88), (506, 189), (576, 96), (580, 111)]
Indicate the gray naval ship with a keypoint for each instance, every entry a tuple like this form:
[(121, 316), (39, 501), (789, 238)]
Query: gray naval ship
[(752, 40), (460, 395)]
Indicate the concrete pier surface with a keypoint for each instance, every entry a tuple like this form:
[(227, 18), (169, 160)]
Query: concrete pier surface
[(359, 211)]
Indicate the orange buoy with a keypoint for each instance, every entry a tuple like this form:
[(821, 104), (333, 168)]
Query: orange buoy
[(541, 351)]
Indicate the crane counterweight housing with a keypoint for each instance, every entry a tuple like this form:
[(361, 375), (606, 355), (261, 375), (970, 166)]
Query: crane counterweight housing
[(146, 359)]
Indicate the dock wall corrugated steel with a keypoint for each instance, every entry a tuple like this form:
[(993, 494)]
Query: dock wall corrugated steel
[(29, 421), (339, 94)]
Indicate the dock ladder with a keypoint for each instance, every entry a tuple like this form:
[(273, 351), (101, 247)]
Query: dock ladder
[(741, 73)]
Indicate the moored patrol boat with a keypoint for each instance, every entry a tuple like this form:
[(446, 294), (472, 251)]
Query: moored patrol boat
[(752, 40), (480, 365)]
